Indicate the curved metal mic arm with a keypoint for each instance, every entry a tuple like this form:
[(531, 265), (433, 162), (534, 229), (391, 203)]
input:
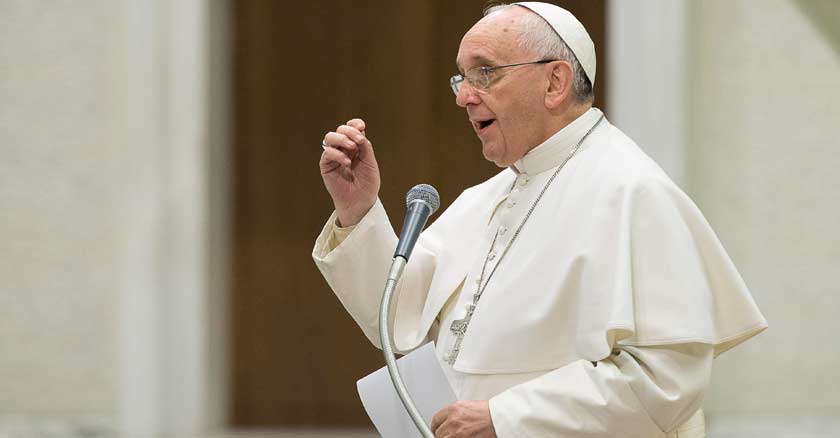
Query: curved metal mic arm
[(394, 274)]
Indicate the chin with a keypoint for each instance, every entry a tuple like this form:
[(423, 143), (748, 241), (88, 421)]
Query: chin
[(500, 163), (494, 156), (493, 159)]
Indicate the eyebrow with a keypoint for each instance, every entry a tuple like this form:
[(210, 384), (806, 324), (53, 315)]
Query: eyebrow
[(478, 59)]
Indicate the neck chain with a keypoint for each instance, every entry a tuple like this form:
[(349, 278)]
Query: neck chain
[(459, 327)]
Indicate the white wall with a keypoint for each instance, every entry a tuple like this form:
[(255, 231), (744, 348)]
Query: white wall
[(109, 320), (648, 70), (59, 227), (760, 157), (763, 163)]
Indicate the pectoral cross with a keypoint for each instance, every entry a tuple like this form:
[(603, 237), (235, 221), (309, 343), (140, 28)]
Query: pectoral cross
[(459, 326), (459, 329)]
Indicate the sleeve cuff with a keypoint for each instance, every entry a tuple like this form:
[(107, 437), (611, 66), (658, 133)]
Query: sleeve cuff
[(338, 233), (332, 235)]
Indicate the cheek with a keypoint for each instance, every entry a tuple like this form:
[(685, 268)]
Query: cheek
[(520, 128), (516, 115), (519, 120)]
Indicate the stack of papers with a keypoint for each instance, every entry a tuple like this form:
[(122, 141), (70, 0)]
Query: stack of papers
[(426, 384)]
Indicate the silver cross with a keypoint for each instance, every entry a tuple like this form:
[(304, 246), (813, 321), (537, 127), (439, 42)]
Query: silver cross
[(459, 329)]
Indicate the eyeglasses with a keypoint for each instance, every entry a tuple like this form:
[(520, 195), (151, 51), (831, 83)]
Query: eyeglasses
[(480, 78)]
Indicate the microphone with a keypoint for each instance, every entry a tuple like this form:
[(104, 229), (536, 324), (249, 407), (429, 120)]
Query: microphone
[(422, 201)]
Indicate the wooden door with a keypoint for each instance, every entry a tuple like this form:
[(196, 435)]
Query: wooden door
[(300, 69)]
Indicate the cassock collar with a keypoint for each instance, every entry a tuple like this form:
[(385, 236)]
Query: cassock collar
[(553, 151)]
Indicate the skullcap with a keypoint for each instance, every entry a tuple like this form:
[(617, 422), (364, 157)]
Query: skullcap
[(571, 31)]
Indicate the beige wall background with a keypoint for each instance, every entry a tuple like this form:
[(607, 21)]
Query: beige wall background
[(738, 101), (112, 201), (763, 160), (59, 223)]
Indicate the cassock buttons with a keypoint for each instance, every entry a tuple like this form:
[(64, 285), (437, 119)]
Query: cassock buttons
[(491, 256), (502, 231), (510, 204)]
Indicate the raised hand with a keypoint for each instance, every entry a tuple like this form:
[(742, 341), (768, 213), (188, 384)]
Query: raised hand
[(350, 172)]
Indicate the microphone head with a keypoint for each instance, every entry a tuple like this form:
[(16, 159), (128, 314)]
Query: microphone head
[(425, 193)]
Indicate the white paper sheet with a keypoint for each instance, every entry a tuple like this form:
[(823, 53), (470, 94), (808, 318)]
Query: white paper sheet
[(426, 383)]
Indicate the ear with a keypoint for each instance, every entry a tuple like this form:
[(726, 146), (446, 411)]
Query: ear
[(559, 84)]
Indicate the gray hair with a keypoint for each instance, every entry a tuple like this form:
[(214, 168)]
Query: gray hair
[(539, 38)]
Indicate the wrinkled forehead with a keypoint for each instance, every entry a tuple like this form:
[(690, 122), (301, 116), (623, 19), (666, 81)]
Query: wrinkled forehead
[(493, 40)]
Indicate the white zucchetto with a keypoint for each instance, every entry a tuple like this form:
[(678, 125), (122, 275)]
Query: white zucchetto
[(570, 30)]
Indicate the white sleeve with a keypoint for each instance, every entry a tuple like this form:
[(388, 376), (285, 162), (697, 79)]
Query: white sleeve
[(355, 263), (637, 392)]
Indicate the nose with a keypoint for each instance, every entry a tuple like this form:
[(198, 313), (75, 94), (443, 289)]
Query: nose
[(467, 95)]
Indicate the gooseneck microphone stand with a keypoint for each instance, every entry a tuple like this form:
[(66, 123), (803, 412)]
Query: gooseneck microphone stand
[(385, 338), (422, 201)]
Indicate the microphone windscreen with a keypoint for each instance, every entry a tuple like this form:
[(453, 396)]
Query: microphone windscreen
[(424, 192)]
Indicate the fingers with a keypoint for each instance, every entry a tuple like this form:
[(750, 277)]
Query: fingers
[(340, 141), (339, 150), (439, 419), (347, 138), (352, 133), (332, 159), (351, 140), (358, 124), (364, 152), (335, 155)]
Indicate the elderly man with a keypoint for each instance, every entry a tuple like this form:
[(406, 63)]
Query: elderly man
[(578, 292)]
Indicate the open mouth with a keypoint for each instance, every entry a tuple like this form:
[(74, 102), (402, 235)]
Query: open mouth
[(485, 123)]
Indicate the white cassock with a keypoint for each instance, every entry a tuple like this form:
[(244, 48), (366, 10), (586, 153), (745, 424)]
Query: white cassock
[(602, 319)]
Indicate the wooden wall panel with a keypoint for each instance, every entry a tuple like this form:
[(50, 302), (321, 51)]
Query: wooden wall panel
[(300, 69)]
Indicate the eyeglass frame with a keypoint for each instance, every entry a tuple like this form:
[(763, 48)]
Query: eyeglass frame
[(456, 81)]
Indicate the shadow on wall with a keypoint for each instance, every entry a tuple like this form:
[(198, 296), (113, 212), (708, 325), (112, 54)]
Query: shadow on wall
[(825, 15)]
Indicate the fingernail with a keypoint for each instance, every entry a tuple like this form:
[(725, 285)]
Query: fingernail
[(360, 138)]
